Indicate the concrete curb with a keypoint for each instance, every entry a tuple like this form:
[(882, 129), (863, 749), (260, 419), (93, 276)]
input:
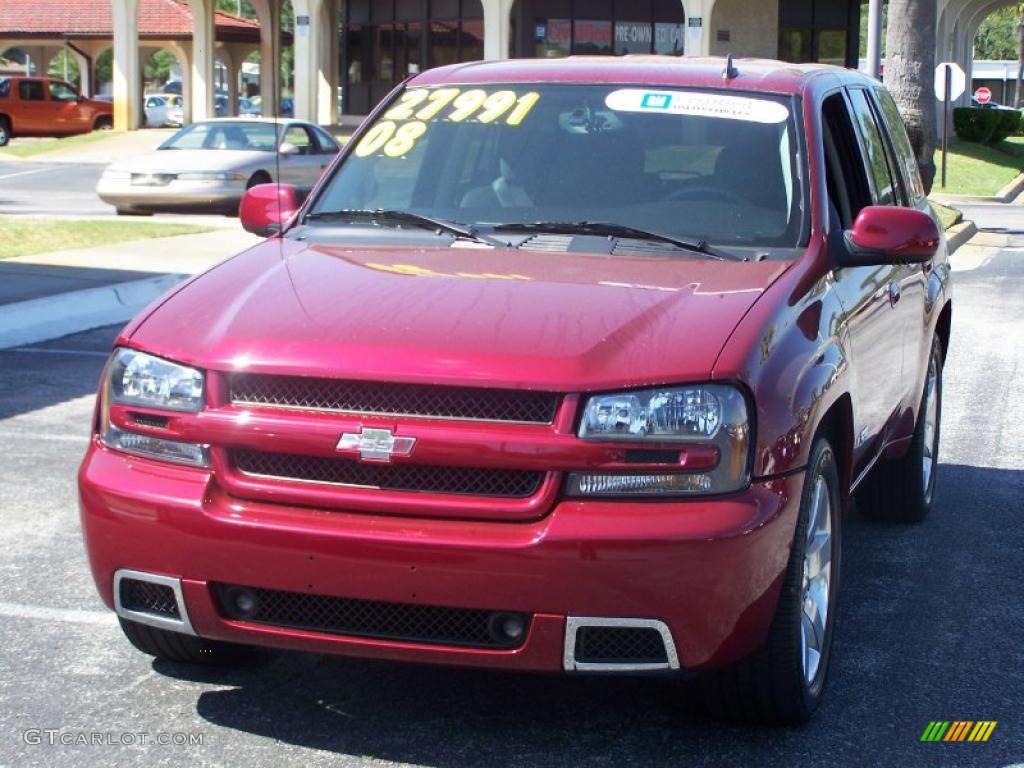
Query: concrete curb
[(29, 322), (959, 234), (1007, 194)]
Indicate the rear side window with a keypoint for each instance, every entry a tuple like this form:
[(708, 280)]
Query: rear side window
[(886, 191), (5, 88), (901, 142), (31, 90)]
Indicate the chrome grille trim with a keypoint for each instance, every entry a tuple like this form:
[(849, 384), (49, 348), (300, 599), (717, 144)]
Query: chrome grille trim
[(573, 624)]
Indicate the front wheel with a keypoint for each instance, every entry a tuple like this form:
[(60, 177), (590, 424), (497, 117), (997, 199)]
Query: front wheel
[(901, 490), (783, 682), (104, 123), (5, 131)]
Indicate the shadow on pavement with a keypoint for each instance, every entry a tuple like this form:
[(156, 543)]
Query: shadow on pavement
[(23, 282), (930, 622), (54, 372)]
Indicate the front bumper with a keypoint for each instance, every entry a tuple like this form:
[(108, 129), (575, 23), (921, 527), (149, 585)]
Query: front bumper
[(709, 569), (171, 196)]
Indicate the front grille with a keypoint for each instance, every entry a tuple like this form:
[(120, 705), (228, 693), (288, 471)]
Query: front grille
[(147, 597), (616, 645), (368, 618), (502, 483), (394, 399)]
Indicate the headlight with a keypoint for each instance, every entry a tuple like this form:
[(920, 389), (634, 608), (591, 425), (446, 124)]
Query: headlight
[(708, 414), (211, 176), (135, 378)]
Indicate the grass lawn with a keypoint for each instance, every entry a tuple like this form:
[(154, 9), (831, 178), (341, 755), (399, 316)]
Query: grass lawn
[(978, 169), (29, 147), (23, 237)]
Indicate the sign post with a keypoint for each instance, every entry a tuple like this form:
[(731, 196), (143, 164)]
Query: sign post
[(950, 83)]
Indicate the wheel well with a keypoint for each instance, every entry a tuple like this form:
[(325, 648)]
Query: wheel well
[(259, 177), (837, 426), (944, 327), (102, 120)]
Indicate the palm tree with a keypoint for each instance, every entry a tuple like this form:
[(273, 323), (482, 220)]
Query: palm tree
[(910, 75)]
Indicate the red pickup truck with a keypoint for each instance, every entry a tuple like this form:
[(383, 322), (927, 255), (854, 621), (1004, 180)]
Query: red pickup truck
[(563, 366), (43, 106)]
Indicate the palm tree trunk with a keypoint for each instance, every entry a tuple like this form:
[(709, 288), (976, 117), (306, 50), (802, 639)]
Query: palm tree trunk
[(1018, 97), (910, 75)]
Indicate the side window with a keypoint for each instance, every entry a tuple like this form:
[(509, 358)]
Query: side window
[(845, 175), (297, 136), (883, 181), (31, 90), (327, 145), (62, 92), (5, 88), (901, 143)]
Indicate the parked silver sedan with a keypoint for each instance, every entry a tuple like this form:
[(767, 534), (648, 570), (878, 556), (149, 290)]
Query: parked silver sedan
[(207, 166)]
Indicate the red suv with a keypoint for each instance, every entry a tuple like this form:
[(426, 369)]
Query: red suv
[(43, 106), (563, 366)]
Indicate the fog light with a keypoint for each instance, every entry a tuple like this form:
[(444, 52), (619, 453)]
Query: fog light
[(507, 628), (242, 603)]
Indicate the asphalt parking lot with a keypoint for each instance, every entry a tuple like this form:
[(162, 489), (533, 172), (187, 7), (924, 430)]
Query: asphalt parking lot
[(930, 628)]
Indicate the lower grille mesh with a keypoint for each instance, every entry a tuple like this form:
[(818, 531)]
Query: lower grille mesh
[(504, 483), (611, 645), (147, 597), (367, 618)]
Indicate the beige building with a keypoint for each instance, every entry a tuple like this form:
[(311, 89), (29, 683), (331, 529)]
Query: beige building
[(348, 54)]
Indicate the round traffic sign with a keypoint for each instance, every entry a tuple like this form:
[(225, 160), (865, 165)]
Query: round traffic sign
[(983, 95)]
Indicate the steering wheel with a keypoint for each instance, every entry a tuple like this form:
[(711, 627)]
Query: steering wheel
[(707, 191)]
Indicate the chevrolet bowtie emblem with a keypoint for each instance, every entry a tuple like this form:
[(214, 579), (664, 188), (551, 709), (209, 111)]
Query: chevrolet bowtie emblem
[(376, 444)]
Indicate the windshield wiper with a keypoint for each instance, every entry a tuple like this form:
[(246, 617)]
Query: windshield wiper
[(408, 217), (611, 229)]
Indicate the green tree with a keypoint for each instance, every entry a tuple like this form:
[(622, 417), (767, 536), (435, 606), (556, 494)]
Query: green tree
[(157, 68), (864, 28), (65, 66), (997, 36)]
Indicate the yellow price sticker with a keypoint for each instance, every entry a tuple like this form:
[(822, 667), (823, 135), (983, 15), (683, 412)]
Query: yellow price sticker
[(396, 134)]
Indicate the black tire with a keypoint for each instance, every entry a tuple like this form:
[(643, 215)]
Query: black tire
[(104, 123), (132, 212), (896, 490), (5, 131), (260, 177), (769, 687), (186, 649)]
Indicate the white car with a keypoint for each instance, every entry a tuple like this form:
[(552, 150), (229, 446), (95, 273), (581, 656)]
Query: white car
[(164, 109), (207, 166)]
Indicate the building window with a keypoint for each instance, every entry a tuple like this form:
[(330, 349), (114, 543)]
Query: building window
[(557, 28), (825, 31)]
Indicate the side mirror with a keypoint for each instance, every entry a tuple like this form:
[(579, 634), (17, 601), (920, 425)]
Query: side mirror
[(287, 148), (886, 235), (266, 208)]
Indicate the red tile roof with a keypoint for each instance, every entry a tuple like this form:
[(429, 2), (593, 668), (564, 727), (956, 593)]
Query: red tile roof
[(158, 20)]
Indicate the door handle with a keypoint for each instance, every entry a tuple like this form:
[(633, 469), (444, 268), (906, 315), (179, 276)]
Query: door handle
[(895, 292)]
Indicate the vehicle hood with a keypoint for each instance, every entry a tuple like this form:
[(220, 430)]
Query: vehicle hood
[(516, 318), (179, 160)]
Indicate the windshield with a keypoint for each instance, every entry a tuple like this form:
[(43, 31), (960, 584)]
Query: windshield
[(702, 165), (225, 134)]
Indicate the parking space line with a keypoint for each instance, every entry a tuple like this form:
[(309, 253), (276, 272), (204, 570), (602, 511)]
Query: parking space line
[(26, 173), (19, 611), (10, 434)]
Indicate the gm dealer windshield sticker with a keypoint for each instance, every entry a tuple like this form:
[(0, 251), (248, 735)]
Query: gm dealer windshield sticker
[(724, 106), (403, 125)]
